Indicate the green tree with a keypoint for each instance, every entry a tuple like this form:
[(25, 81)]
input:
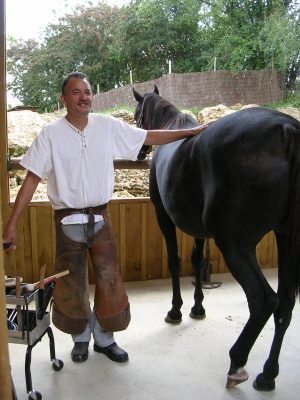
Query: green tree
[(107, 42), (157, 31), (248, 34), (85, 40), (279, 41)]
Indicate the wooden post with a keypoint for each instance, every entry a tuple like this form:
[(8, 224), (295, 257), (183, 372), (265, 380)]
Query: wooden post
[(5, 377), (3, 122)]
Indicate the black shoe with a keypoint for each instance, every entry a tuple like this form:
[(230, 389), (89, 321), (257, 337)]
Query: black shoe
[(80, 352), (113, 352)]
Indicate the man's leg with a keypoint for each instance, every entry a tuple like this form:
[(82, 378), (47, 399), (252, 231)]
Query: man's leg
[(71, 308), (112, 312), (104, 342)]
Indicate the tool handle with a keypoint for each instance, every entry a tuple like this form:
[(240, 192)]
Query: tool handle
[(52, 278)]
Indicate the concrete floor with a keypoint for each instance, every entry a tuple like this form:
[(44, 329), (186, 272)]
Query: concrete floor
[(167, 362)]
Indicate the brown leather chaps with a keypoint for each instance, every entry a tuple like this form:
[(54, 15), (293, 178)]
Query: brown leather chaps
[(71, 307)]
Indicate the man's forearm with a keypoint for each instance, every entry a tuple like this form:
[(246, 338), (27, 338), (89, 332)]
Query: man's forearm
[(23, 198), (162, 136)]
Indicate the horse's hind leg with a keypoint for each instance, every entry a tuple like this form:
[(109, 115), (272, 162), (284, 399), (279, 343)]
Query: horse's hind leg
[(282, 318), (198, 310), (169, 232), (262, 301)]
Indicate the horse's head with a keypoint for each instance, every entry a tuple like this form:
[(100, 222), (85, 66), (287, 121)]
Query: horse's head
[(139, 110), (138, 117)]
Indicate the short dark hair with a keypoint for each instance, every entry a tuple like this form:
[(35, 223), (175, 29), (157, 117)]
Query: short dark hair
[(76, 74)]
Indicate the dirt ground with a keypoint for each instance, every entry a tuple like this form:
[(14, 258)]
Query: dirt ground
[(23, 126)]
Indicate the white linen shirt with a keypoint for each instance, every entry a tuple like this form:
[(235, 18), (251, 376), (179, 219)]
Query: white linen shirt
[(79, 167)]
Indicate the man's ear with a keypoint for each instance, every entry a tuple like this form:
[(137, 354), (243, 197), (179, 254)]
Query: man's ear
[(62, 99)]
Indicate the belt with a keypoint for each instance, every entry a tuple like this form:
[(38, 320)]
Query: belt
[(90, 211), (87, 210)]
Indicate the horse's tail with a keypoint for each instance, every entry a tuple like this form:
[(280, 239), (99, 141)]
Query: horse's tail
[(292, 267)]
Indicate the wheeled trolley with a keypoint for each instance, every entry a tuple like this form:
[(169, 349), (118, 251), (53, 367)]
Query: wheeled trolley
[(28, 326)]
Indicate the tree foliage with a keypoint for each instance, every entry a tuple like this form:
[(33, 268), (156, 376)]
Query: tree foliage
[(106, 43)]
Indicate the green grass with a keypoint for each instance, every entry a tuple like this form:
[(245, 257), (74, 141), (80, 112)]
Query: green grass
[(290, 101), (117, 108)]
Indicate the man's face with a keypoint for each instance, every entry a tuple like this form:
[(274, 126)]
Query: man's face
[(77, 97)]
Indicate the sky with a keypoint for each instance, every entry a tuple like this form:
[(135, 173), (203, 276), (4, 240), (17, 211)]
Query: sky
[(26, 19)]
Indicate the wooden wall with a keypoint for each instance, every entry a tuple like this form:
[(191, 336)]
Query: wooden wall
[(142, 251)]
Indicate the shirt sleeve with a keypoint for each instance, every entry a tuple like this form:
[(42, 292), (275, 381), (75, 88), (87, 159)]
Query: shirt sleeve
[(128, 140), (38, 157)]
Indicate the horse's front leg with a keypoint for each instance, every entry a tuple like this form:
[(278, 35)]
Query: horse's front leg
[(198, 311), (174, 316), (168, 230)]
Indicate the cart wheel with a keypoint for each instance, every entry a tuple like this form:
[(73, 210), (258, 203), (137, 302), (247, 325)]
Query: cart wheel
[(35, 395), (57, 364)]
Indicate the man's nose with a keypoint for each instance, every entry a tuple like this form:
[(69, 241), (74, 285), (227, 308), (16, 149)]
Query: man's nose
[(83, 95)]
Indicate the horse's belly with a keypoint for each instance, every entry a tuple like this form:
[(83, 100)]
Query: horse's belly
[(187, 217)]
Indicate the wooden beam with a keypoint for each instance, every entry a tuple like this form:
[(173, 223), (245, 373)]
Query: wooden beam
[(118, 164)]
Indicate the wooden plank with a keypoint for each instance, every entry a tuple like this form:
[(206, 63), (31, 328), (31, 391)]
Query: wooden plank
[(34, 243), (25, 264), (118, 164), (114, 210), (21, 266), (123, 241), (44, 218), (154, 246), (144, 227), (133, 242)]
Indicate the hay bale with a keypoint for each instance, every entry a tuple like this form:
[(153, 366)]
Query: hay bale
[(210, 114), (125, 115), (188, 112), (292, 111)]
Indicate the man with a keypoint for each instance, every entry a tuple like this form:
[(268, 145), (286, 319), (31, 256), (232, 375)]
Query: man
[(75, 153)]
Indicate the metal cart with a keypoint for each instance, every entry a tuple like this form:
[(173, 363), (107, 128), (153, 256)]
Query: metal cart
[(28, 326)]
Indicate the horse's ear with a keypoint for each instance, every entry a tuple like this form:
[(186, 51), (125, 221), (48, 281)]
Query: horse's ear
[(156, 89), (137, 96)]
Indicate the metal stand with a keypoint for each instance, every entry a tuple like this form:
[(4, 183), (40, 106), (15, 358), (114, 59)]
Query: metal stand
[(207, 283), (29, 326)]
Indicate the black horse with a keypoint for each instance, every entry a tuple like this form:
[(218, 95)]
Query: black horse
[(235, 182)]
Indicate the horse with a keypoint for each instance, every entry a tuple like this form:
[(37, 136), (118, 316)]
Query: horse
[(236, 181)]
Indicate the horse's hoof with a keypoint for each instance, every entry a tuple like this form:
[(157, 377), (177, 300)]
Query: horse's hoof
[(198, 316), (240, 376), (170, 320), (263, 384)]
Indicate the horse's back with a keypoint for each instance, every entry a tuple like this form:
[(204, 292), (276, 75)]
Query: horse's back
[(233, 177)]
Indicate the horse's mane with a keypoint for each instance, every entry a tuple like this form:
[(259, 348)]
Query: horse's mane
[(159, 113)]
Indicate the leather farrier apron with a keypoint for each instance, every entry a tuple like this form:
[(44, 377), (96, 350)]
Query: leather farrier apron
[(71, 306)]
